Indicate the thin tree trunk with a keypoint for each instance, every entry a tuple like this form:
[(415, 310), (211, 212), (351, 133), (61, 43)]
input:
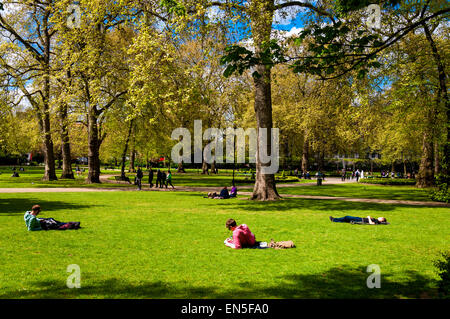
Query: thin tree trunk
[(124, 153), (93, 155), (67, 171), (305, 156), (437, 168)]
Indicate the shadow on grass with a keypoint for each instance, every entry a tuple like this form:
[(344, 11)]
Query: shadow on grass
[(343, 282), (18, 206), (287, 204)]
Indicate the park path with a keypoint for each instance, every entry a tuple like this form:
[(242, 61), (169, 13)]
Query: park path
[(329, 181)]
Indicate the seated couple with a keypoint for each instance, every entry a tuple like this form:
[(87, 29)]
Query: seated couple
[(33, 223), (360, 220), (224, 194), (243, 238)]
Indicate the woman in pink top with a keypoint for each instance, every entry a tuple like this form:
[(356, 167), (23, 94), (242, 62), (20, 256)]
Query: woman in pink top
[(242, 236)]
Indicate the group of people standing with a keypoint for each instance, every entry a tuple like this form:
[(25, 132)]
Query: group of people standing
[(162, 179), (352, 174)]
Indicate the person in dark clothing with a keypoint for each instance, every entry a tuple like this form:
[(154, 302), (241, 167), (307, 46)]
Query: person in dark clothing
[(224, 193), (139, 176), (33, 223), (158, 178), (360, 220), (163, 180), (150, 177)]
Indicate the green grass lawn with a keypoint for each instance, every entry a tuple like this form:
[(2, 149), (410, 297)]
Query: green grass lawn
[(32, 178), (170, 245), (355, 190)]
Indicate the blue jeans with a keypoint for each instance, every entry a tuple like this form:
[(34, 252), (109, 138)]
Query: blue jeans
[(347, 219)]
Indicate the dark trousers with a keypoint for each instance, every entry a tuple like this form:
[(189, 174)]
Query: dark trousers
[(347, 219), (139, 182)]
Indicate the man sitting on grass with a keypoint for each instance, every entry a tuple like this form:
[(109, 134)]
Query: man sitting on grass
[(360, 220), (33, 223)]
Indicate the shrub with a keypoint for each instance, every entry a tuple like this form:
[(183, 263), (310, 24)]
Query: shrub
[(443, 267), (442, 194), (388, 181)]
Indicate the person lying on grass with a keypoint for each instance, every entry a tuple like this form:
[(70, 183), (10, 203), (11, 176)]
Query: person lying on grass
[(242, 236), (360, 220), (33, 223), (223, 194)]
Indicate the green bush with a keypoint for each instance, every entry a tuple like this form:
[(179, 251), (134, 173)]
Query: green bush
[(443, 267), (442, 194), (388, 181)]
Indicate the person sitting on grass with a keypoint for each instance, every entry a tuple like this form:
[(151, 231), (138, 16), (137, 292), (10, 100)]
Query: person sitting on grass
[(242, 236), (224, 193), (360, 220), (33, 223), (233, 192)]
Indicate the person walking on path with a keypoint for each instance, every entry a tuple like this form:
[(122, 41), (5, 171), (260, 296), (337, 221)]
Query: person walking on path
[(163, 180), (169, 180), (139, 176), (158, 178), (150, 177)]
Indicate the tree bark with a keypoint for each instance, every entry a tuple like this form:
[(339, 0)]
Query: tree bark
[(50, 172), (132, 159), (425, 177), (437, 168), (305, 155), (205, 168), (124, 153), (93, 155), (261, 13), (442, 95), (213, 167), (67, 172)]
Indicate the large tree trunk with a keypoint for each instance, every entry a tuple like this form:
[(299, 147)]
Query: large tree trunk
[(205, 168), (261, 14), (442, 96), (67, 171), (425, 177), (93, 155), (50, 172), (213, 167)]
